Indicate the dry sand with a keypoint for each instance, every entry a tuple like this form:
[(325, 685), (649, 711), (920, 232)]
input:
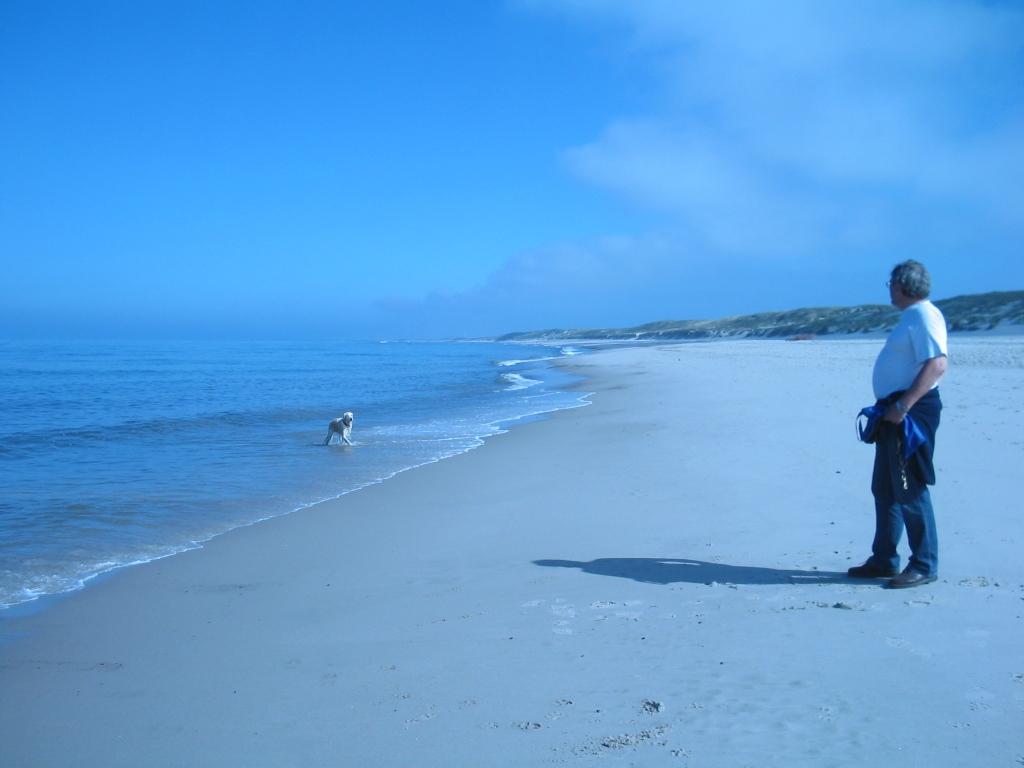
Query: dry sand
[(654, 580)]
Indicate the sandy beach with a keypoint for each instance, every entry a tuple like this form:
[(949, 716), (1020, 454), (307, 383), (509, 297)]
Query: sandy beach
[(657, 579)]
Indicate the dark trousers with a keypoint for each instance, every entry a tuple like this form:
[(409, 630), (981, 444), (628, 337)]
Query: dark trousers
[(901, 501)]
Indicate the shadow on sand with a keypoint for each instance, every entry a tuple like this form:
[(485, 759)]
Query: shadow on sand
[(675, 571)]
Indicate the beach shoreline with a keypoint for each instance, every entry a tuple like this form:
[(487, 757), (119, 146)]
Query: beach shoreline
[(104, 471), (658, 578)]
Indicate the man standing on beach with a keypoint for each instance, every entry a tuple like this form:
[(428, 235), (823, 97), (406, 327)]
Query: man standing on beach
[(905, 382)]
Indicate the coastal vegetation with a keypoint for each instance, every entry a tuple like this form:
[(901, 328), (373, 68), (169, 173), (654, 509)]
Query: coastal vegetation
[(976, 312)]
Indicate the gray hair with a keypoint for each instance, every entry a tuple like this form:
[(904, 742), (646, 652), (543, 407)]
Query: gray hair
[(912, 278)]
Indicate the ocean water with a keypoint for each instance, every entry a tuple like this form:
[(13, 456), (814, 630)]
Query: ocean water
[(113, 454)]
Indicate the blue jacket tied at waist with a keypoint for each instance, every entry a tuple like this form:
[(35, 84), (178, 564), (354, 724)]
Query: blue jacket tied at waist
[(867, 423), (917, 431)]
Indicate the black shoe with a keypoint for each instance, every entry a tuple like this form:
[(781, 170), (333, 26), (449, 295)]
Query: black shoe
[(869, 571), (910, 578)]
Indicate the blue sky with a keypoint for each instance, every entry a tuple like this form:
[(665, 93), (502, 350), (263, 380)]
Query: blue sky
[(405, 169)]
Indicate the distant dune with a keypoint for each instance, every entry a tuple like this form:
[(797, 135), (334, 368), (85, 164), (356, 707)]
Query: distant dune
[(1002, 310)]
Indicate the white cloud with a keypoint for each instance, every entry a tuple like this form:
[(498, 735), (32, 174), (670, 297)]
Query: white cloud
[(795, 151), (722, 195), (784, 123)]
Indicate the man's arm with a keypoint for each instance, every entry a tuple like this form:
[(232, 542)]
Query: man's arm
[(927, 377)]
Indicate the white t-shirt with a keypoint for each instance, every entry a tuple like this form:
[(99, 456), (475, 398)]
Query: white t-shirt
[(919, 336)]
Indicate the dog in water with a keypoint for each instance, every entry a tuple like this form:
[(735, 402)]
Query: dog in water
[(341, 427)]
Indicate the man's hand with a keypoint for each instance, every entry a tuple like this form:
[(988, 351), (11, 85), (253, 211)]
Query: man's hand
[(893, 414)]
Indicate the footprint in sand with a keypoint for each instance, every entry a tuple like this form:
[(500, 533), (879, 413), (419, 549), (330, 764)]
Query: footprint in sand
[(565, 613), (980, 700)]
